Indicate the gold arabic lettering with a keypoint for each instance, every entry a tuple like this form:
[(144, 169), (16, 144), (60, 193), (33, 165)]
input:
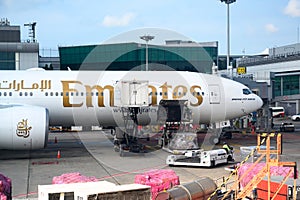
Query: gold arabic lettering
[(17, 86)]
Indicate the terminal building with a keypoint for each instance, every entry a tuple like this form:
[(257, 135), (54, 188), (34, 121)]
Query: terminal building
[(15, 54), (281, 70), (174, 55)]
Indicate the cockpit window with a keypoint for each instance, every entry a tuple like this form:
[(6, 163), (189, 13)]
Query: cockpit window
[(246, 91)]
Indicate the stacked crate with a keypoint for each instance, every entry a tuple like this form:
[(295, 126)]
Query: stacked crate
[(274, 170), (72, 178), (158, 180)]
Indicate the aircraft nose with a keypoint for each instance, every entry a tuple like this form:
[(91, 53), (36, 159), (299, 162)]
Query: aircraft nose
[(259, 102)]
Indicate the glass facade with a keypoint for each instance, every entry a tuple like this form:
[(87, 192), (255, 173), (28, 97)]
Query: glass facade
[(132, 56), (7, 61), (286, 85)]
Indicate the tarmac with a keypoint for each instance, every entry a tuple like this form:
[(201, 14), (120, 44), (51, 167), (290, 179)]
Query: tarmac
[(92, 154)]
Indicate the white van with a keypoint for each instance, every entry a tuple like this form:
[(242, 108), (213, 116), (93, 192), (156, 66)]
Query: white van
[(277, 111)]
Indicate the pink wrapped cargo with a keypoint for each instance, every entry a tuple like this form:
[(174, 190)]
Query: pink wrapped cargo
[(3, 196), (5, 187), (72, 178), (275, 171), (158, 180)]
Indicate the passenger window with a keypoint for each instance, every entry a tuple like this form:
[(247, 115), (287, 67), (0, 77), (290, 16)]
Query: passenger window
[(31, 94), (20, 93), (10, 94), (26, 94)]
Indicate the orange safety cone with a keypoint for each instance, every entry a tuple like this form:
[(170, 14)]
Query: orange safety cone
[(58, 154)]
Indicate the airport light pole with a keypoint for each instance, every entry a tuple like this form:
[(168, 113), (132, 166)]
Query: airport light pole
[(228, 34), (147, 38)]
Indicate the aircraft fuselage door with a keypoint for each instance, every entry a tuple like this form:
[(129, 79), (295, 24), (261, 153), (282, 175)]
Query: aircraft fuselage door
[(214, 94)]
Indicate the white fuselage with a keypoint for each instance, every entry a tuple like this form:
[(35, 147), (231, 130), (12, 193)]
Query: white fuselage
[(91, 98)]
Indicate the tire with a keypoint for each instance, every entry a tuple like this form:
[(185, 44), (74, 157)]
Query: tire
[(121, 152), (213, 164), (297, 119), (214, 140)]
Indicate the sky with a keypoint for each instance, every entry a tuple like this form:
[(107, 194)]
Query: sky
[(254, 24)]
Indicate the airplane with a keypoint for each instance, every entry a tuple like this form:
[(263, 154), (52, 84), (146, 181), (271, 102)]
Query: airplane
[(33, 100)]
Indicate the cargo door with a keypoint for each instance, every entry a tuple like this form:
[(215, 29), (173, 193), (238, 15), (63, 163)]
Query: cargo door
[(214, 94)]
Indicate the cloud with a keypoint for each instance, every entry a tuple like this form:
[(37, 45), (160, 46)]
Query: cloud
[(293, 8), (271, 28), (123, 20)]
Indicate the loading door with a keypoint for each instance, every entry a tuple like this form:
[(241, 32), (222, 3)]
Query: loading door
[(214, 94)]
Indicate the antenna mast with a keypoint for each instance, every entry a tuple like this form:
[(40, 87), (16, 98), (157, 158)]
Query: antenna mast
[(31, 31)]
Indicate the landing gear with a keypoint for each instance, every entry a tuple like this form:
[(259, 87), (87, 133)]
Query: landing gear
[(126, 138), (215, 134), (214, 140)]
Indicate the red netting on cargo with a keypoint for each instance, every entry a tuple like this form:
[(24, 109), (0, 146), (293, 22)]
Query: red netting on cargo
[(158, 180), (72, 178), (275, 171)]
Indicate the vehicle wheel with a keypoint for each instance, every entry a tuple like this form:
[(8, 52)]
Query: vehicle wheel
[(214, 140), (116, 148), (212, 163), (298, 119), (121, 152)]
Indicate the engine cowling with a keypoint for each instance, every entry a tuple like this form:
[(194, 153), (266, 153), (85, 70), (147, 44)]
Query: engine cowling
[(23, 127)]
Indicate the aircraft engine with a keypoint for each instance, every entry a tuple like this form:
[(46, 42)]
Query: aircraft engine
[(23, 127)]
